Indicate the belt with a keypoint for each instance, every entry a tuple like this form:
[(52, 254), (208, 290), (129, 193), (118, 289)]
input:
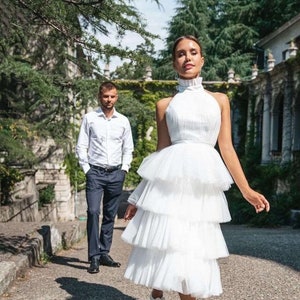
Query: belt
[(107, 168)]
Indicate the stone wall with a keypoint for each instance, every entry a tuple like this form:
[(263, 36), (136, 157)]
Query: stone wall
[(24, 205), (52, 171), (80, 205), (64, 198)]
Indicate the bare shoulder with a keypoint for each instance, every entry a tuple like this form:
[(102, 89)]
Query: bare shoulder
[(162, 104), (221, 98)]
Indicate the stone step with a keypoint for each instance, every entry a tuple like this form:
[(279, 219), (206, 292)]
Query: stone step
[(23, 245)]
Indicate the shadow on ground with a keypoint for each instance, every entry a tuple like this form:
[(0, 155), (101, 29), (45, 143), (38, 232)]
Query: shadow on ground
[(280, 245), (84, 290), (69, 261)]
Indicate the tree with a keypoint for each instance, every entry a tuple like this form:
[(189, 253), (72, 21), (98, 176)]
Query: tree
[(271, 14), (227, 29), (221, 38), (191, 18), (136, 68), (50, 52)]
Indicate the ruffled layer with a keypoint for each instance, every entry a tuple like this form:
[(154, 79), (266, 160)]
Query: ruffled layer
[(195, 239), (182, 200), (174, 271), (199, 164), (175, 233)]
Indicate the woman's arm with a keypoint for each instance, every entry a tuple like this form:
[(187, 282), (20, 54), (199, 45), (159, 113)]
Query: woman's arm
[(231, 160), (163, 138)]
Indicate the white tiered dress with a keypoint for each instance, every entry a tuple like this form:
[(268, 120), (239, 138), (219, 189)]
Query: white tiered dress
[(175, 233)]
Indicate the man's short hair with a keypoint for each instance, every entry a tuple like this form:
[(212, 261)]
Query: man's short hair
[(107, 85)]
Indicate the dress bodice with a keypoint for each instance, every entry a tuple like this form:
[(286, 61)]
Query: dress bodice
[(193, 115)]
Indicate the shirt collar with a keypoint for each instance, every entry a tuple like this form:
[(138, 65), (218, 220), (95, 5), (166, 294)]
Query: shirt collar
[(101, 113)]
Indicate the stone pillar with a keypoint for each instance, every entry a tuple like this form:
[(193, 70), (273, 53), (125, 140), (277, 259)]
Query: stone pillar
[(106, 71), (296, 126), (64, 197), (287, 119), (270, 62), (148, 76), (231, 76), (265, 154), (235, 115), (292, 49), (254, 71), (237, 79)]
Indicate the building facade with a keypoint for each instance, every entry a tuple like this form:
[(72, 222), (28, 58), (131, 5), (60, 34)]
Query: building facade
[(275, 95)]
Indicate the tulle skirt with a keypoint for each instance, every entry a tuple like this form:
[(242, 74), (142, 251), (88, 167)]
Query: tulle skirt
[(176, 233)]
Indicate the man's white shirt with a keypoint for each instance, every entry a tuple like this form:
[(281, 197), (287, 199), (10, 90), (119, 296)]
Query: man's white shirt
[(104, 142)]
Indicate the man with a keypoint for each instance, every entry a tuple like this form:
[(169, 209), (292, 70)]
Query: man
[(104, 149)]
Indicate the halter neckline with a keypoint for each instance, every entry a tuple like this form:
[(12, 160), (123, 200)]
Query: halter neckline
[(191, 84)]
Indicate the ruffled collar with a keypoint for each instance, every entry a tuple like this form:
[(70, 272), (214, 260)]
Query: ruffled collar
[(190, 84)]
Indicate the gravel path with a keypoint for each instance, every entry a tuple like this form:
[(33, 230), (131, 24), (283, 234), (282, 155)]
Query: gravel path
[(264, 264)]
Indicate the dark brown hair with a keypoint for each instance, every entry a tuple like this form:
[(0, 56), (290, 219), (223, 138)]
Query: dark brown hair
[(188, 37), (106, 85)]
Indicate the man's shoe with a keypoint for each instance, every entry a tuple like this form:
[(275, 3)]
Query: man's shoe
[(151, 298), (94, 266), (106, 260)]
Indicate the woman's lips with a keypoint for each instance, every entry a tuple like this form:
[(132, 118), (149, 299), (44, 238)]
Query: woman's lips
[(188, 66)]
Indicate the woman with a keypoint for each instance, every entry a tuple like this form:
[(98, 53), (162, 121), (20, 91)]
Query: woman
[(178, 206)]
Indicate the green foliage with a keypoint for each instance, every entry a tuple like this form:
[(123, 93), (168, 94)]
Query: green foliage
[(34, 81), (136, 101), (265, 179), (39, 92), (136, 68), (43, 44), (48, 54), (15, 136), (70, 23), (141, 115), (227, 30), (267, 20), (8, 178), (279, 183), (74, 171), (45, 258), (46, 195)]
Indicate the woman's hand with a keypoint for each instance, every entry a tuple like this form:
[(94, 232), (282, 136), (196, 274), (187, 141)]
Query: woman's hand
[(130, 212), (258, 201)]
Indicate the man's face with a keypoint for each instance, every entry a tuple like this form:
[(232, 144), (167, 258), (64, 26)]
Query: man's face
[(108, 98)]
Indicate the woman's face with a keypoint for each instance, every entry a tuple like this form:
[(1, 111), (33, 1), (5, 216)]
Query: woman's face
[(188, 60)]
